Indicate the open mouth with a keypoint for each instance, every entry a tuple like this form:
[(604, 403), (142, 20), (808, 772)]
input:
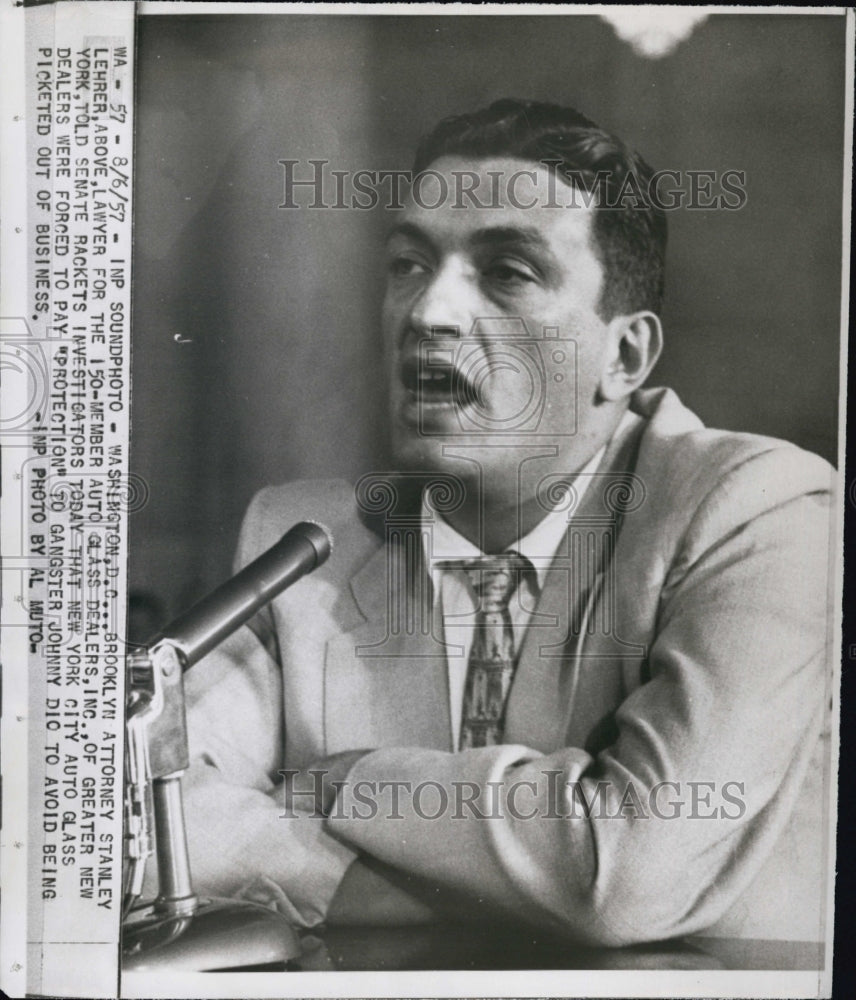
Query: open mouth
[(437, 384)]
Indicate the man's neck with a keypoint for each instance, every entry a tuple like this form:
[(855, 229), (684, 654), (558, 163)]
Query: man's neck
[(502, 509), (495, 527)]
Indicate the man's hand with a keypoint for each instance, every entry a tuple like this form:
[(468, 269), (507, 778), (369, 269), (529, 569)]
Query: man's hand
[(366, 896), (374, 893)]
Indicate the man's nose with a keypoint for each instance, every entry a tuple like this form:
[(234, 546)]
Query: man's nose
[(448, 304)]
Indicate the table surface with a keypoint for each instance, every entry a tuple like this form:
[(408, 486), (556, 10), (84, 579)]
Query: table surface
[(480, 947)]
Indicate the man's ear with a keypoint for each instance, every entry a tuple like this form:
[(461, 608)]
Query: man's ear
[(634, 345)]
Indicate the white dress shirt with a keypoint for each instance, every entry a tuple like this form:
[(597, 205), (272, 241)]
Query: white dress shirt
[(455, 601)]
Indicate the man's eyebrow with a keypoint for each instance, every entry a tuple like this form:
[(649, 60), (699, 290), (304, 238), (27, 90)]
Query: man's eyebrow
[(489, 236), (408, 229), (527, 235)]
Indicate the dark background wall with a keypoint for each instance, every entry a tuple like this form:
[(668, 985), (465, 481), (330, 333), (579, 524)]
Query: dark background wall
[(256, 335)]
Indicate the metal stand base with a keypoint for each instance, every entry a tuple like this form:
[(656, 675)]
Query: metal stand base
[(222, 935)]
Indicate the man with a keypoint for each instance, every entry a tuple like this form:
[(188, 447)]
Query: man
[(611, 727)]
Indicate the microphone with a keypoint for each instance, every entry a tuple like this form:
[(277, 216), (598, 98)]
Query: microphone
[(177, 927), (301, 549)]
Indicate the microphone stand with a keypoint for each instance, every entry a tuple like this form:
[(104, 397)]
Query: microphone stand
[(178, 930)]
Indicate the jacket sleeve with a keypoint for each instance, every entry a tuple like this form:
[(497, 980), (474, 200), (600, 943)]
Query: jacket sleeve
[(240, 839), (723, 728)]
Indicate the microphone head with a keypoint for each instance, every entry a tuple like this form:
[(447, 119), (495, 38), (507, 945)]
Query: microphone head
[(319, 537)]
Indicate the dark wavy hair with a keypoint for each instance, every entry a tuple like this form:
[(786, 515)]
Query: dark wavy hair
[(629, 238)]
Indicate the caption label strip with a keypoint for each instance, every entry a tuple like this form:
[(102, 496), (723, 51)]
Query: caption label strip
[(72, 347)]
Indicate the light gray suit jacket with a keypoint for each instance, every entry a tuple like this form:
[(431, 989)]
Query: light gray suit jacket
[(682, 637)]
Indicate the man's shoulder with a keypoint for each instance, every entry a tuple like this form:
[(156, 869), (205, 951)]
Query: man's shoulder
[(695, 473), (679, 452)]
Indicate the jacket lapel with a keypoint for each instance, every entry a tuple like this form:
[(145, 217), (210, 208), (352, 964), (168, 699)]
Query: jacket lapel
[(386, 680), (569, 671)]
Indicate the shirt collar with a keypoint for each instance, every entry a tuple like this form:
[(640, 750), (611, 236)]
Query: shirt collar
[(538, 546)]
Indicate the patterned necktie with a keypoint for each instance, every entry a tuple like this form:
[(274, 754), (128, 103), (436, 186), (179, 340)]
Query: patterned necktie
[(490, 670)]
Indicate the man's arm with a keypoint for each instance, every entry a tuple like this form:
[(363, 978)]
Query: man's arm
[(371, 892), (736, 695), (375, 894)]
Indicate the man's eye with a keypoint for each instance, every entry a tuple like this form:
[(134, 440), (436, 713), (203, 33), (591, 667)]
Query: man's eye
[(406, 267), (510, 273)]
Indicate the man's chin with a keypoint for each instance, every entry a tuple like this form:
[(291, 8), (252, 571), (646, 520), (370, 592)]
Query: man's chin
[(465, 457)]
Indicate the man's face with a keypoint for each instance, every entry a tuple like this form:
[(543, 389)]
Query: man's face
[(491, 325)]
